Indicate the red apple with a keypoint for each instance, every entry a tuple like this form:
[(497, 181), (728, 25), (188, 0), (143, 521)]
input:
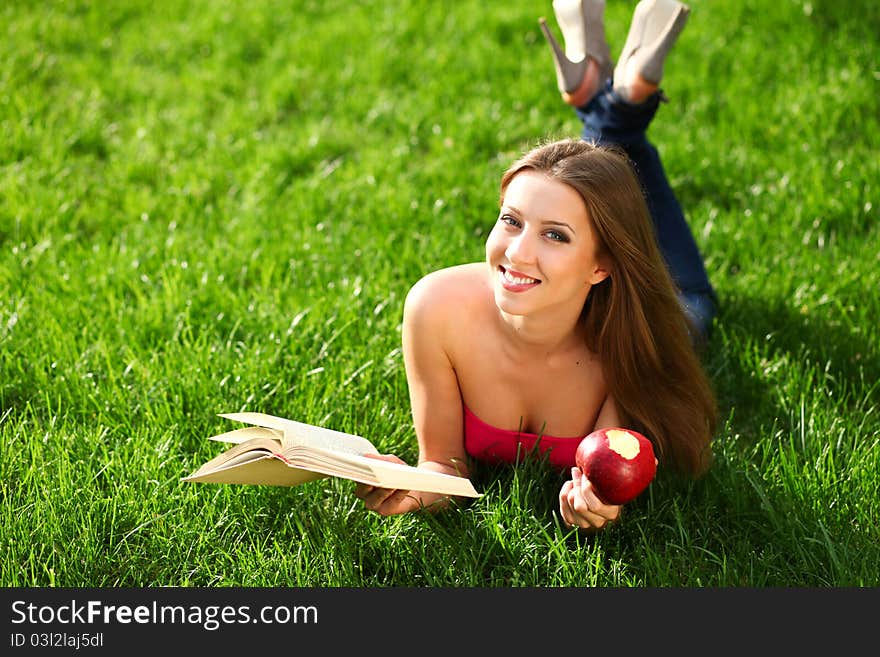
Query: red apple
[(618, 462)]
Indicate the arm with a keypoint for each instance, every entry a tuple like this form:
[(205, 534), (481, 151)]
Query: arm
[(434, 396)]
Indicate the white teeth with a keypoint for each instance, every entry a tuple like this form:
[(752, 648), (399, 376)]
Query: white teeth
[(517, 280)]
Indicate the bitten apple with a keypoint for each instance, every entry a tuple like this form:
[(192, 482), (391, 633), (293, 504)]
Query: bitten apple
[(619, 463)]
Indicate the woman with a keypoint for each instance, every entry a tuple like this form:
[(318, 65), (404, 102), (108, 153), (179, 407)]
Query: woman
[(573, 323)]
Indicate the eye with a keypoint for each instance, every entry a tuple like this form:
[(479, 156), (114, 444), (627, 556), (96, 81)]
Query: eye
[(557, 236), (510, 220)]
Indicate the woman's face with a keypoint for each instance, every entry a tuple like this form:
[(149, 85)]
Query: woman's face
[(543, 248)]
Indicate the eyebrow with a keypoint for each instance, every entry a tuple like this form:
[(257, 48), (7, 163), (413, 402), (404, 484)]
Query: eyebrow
[(559, 223), (550, 222)]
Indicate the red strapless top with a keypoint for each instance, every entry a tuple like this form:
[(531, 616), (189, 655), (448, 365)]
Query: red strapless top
[(487, 443)]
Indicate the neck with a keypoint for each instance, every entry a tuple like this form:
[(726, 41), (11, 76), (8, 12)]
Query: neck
[(546, 334)]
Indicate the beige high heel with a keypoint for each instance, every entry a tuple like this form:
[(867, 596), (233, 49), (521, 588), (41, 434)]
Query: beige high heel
[(583, 29), (655, 27)]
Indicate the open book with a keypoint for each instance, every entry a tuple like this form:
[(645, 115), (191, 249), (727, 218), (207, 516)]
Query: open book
[(279, 452)]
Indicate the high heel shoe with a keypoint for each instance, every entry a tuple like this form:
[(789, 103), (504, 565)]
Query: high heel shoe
[(655, 27), (583, 29)]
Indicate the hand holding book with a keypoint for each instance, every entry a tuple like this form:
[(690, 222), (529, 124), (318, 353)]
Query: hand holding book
[(280, 452), (389, 502)]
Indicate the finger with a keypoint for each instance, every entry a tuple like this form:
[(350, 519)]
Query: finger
[(565, 509), (586, 514), (574, 509), (586, 491), (377, 496), (573, 498), (589, 494), (362, 490), (582, 521), (586, 518), (610, 512), (583, 498), (577, 477), (579, 517), (393, 503)]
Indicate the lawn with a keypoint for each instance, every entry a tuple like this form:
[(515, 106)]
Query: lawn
[(217, 206)]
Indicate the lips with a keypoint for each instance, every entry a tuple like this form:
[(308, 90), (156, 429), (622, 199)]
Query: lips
[(515, 281)]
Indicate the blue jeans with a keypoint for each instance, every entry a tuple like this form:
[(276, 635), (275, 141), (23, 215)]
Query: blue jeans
[(607, 118)]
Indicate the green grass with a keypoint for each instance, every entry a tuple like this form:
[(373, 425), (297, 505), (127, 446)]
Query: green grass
[(209, 207)]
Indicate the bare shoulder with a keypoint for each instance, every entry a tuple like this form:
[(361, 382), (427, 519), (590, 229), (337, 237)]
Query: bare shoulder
[(449, 292)]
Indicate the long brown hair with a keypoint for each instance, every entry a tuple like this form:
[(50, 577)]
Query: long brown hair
[(633, 319)]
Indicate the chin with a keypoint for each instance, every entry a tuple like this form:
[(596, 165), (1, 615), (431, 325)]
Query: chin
[(508, 305)]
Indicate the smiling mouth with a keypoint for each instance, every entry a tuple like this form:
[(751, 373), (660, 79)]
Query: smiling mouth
[(516, 278)]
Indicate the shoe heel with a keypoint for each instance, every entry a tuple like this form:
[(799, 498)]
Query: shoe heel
[(569, 74)]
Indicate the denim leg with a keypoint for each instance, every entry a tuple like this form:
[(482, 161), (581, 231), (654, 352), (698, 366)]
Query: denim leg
[(609, 119)]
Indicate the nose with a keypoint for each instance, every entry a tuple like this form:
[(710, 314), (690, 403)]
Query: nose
[(521, 249)]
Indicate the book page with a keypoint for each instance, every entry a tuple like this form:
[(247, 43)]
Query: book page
[(376, 472), (237, 436), (250, 448), (299, 433), (257, 468)]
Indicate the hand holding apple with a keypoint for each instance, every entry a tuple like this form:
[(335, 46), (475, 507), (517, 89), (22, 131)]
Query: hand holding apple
[(620, 463), (581, 507)]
